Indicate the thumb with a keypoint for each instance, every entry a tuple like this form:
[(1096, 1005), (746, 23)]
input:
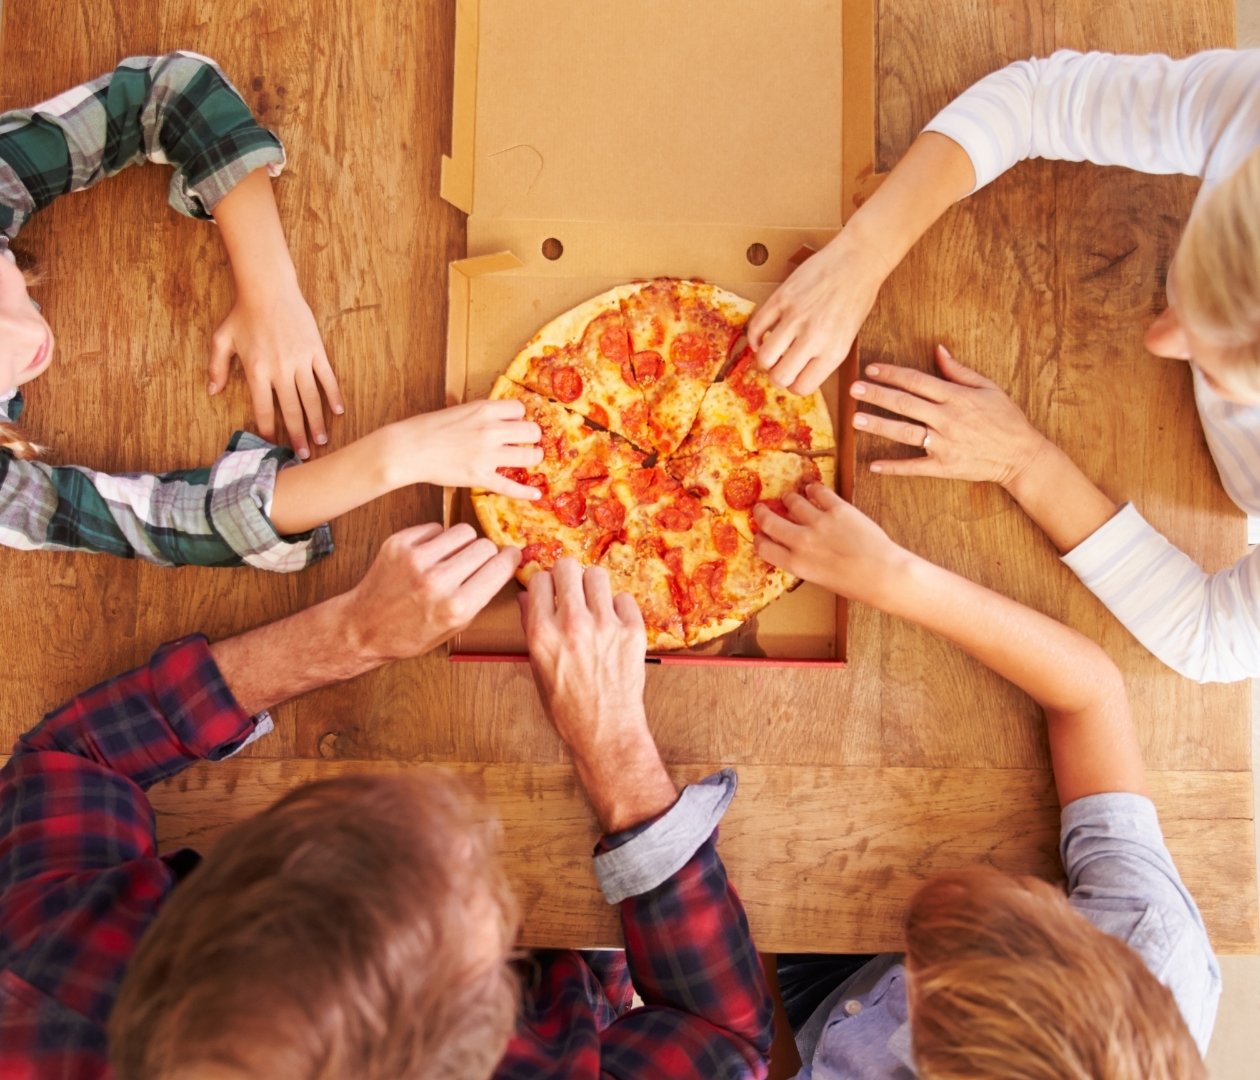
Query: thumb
[(220, 360), (956, 372)]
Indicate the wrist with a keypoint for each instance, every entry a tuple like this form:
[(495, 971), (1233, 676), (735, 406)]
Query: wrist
[(365, 649), (625, 780), (1026, 475)]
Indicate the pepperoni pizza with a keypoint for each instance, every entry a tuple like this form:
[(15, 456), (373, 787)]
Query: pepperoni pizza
[(659, 436)]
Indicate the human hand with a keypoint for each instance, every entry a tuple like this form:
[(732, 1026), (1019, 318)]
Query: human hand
[(465, 446), (967, 425), (425, 585), (805, 330), (587, 649), (831, 543), (274, 334)]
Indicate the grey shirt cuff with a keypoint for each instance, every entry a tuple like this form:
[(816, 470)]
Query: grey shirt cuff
[(667, 845)]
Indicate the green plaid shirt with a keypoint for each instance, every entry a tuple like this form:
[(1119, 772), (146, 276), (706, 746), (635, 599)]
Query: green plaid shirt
[(178, 109)]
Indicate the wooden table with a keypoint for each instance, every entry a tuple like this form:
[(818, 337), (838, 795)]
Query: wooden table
[(856, 785)]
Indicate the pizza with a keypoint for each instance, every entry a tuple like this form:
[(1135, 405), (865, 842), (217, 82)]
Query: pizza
[(659, 436)]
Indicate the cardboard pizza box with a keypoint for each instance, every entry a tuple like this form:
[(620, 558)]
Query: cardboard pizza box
[(594, 144)]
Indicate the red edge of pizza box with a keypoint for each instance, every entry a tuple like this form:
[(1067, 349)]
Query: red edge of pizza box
[(654, 139)]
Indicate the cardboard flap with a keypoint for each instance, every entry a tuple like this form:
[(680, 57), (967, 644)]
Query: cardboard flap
[(624, 114)]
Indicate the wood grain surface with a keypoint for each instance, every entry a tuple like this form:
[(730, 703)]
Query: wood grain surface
[(1043, 281)]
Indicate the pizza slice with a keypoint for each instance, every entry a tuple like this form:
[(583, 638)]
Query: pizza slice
[(681, 335), (645, 576), (746, 409), (732, 485), (582, 360)]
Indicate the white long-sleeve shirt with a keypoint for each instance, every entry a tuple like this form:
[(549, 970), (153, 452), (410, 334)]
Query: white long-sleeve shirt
[(1199, 116)]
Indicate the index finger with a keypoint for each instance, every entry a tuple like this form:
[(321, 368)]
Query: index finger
[(917, 382), (774, 525), (485, 583)]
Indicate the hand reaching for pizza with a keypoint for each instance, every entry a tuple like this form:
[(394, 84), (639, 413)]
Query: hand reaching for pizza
[(587, 648), (465, 445), (805, 330), (833, 544)]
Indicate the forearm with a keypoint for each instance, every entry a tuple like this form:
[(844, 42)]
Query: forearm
[(249, 223), (324, 489), (1062, 500), (282, 660), (625, 781), (934, 174)]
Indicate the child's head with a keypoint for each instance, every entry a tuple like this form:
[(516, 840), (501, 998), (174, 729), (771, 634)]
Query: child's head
[(1007, 981), (1213, 314), (26, 340), (360, 928)]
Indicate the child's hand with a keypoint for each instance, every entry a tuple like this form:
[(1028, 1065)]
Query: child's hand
[(465, 445), (804, 331), (833, 544), (278, 343)]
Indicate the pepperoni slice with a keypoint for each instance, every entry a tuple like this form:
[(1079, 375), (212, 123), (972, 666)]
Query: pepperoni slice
[(754, 396), (634, 419), (614, 343), (741, 366), (566, 384), (592, 469), (515, 475), (598, 414), (691, 352), (681, 595), (680, 515), (673, 559), (711, 576), (804, 435), (570, 508), (537, 480), (648, 367), (741, 489), (725, 538), (648, 546), (610, 514), (770, 433), (544, 552), (646, 484), (602, 545)]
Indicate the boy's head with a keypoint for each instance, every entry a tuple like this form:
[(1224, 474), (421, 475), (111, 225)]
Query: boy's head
[(360, 928), (1008, 981), (1213, 314)]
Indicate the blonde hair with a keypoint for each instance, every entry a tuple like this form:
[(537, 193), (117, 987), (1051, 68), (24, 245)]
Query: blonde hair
[(361, 928), (1217, 271), (1008, 981), (11, 438)]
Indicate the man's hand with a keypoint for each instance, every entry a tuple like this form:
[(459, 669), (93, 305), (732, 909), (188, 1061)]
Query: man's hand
[(805, 330), (426, 585), (275, 336), (465, 446), (587, 649), (975, 431), (832, 544)]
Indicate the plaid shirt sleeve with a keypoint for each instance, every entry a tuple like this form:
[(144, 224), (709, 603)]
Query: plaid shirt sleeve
[(707, 1011), (178, 109), (216, 516), (80, 876)]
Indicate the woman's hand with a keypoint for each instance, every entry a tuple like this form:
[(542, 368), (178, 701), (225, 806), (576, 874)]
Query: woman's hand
[(968, 428), (465, 446), (832, 544), (805, 330), (275, 336)]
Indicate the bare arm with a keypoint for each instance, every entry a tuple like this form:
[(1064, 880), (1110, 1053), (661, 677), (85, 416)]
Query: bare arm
[(1092, 742)]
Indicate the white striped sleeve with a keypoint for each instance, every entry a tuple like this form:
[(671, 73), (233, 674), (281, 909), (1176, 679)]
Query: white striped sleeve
[(1204, 626), (1196, 116)]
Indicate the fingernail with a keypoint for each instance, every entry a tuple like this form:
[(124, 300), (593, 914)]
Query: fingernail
[(945, 351), (859, 389), (321, 440), (872, 369), (860, 420), (339, 409), (877, 467), (213, 388), (304, 453)]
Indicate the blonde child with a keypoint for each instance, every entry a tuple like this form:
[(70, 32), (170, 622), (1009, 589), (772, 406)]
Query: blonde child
[(247, 507), (1199, 116), (1006, 978)]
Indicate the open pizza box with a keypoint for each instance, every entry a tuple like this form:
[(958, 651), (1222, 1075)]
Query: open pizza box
[(594, 144)]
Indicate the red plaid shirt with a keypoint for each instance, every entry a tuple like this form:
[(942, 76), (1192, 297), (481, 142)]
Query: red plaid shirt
[(81, 879)]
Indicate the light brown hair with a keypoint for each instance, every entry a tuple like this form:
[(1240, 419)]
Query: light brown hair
[(358, 929), (1008, 981), (1217, 272)]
